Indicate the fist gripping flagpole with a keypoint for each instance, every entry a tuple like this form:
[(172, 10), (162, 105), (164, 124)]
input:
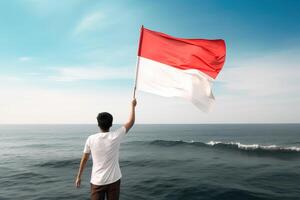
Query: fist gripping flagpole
[(138, 61)]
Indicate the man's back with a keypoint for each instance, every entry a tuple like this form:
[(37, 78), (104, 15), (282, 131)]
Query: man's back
[(104, 147)]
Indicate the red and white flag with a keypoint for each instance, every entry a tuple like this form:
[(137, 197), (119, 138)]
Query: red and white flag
[(178, 67)]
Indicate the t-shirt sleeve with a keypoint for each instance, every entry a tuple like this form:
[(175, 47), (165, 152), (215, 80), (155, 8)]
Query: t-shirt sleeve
[(87, 148), (121, 131)]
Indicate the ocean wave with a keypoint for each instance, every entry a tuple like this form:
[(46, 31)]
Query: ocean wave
[(255, 146), (251, 149), (225, 145), (74, 163), (59, 163)]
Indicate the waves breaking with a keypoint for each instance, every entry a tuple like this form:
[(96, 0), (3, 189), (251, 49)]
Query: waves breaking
[(251, 149), (227, 145), (255, 146)]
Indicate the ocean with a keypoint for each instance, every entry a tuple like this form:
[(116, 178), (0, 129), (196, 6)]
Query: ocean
[(162, 162)]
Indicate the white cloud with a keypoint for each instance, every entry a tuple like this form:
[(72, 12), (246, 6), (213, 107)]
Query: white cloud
[(92, 73), (23, 104), (33, 74), (257, 90), (25, 58), (272, 75), (9, 78), (90, 22)]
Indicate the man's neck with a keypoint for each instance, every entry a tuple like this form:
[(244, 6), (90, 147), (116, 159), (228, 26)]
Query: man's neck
[(104, 131)]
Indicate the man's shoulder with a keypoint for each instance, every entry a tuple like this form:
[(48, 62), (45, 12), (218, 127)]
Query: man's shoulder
[(120, 129)]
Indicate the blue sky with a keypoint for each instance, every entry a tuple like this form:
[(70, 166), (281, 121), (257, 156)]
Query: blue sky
[(64, 61)]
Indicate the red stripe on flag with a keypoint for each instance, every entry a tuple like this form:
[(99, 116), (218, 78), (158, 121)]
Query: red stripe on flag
[(207, 56)]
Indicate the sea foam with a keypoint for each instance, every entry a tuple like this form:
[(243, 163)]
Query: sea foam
[(254, 146)]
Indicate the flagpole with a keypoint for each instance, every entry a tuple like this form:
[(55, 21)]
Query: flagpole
[(138, 62), (136, 75)]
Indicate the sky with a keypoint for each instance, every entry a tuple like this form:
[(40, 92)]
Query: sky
[(66, 61)]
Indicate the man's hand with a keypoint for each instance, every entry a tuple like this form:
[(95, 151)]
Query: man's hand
[(78, 182), (133, 103)]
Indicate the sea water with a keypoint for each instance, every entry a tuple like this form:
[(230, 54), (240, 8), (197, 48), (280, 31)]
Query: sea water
[(163, 162)]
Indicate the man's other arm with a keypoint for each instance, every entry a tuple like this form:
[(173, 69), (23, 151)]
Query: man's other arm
[(131, 119), (83, 162)]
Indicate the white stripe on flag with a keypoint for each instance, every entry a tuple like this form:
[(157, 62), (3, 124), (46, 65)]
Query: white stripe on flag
[(164, 80)]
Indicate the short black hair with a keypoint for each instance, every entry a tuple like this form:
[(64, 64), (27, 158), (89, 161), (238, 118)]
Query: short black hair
[(105, 120)]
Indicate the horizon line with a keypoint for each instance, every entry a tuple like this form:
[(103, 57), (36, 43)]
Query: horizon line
[(212, 123)]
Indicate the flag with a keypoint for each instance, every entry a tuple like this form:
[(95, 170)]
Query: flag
[(178, 67)]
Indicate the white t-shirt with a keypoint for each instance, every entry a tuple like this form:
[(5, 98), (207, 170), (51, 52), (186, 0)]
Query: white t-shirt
[(104, 148)]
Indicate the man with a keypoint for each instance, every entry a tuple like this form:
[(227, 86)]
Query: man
[(104, 147)]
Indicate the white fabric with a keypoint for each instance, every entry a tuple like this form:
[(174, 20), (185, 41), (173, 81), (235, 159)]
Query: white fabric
[(164, 80), (104, 148)]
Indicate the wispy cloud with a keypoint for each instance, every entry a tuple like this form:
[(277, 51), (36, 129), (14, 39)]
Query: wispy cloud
[(274, 74), (91, 73), (25, 104), (9, 78), (25, 58), (90, 22)]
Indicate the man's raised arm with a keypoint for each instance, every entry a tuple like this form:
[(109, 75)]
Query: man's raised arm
[(131, 119)]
